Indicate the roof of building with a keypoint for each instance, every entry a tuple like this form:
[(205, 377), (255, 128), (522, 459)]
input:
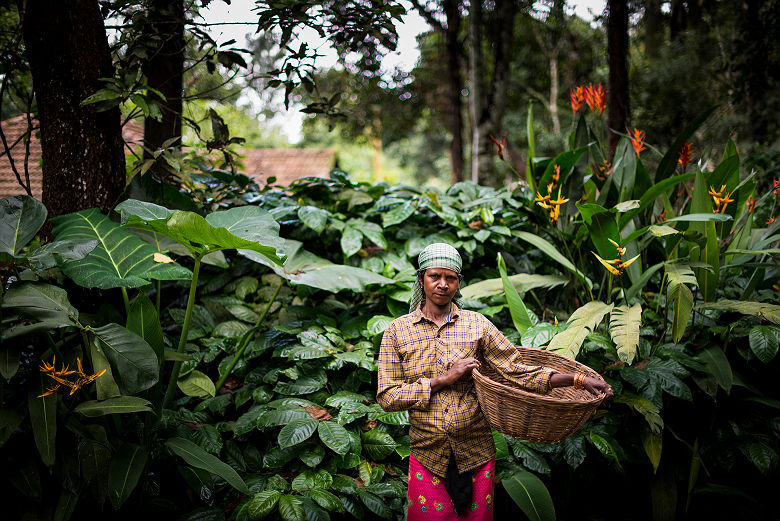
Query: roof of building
[(285, 164)]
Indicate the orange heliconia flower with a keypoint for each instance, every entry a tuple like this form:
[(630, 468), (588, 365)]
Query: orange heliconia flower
[(499, 146), (771, 220), (685, 155), (603, 170), (750, 203), (577, 98), (720, 200), (595, 97), (637, 140), (776, 186), (59, 377), (557, 175)]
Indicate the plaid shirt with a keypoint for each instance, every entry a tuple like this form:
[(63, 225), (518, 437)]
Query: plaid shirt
[(414, 351)]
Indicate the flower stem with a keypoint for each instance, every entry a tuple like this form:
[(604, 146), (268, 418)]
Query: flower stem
[(171, 390), (246, 338), (126, 300)]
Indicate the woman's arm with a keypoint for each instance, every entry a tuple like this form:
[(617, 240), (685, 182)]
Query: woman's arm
[(592, 385), (393, 392)]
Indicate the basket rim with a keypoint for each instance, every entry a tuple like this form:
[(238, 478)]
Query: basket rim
[(594, 400)]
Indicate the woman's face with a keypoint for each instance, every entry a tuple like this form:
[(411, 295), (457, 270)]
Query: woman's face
[(440, 285)]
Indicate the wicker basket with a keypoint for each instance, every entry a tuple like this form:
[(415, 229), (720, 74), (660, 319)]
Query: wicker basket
[(542, 418)]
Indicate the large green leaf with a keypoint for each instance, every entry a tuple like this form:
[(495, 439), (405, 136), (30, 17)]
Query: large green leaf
[(133, 361), (377, 444), (602, 226), (589, 315), (549, 250), (517, 309), (115, 405), (197, 384), (521, 281), (120, 259), (531, 495), (568, 342), (763, 310), (764, 342), (291, 508), (717, 364), (21, 216), (624, 327), (126, 468), (334, 436), (245, 227), (297, 431), (305, 268), (43, 416), (42, 302), (262, 504), (624, 169), (199, 458), (399, 214), (313, 217), (681, 299), (649, 197), (144, 322)]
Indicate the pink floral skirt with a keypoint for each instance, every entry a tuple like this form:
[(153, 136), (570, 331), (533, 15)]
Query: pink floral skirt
[(429, 500)]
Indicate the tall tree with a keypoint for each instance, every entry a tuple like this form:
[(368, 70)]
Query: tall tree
[(164, 71), (618, 107), (83, 162)]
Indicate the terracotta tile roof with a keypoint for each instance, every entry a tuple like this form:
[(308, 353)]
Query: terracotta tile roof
[(14, 128), (287, 164)]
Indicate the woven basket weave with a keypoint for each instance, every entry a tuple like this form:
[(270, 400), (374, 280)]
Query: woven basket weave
[(541, 418)]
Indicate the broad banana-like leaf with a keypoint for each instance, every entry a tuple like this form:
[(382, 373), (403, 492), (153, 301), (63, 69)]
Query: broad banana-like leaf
[(245, 227), (304, 268), (624, 169), (199, 458), (566, 162), (624, 328), (681, 298), (590, 314), (763, 310), (119, 260), (717, 364), (517, 308), (21, 216), (521, 281), (649, 197), (531, 495), (133, 361), (603, 227), (568, 342), (529, 125), (127, 466)]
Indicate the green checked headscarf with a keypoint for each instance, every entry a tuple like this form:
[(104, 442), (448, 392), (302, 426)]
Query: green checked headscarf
[(437, 255)]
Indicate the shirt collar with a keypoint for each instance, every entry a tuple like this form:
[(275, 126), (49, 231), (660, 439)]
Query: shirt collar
[(417, 315)]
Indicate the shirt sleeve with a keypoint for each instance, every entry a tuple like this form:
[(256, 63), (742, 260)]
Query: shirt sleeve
[(394, 393), (506, 359)]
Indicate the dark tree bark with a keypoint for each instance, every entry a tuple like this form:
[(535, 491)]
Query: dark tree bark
[(618, 108), (164, 71), (489, 103), (83, 160), (455, 84), (654, 28)]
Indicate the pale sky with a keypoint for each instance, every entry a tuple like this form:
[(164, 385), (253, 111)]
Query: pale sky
[(405, 56)]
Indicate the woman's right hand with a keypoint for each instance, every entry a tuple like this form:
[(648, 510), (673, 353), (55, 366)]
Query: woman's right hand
[(459, 368)]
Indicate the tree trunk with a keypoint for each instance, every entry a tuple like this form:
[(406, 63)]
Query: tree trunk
[(454, 53), (493, 102), (654, 28), (83, 160), (475, 80), (618, 108), (164, 71)]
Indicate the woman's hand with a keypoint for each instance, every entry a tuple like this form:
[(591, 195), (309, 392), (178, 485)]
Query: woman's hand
[(458, 369), (596, 386)]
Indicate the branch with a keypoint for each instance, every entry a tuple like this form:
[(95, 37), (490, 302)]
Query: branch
[(428, 16)]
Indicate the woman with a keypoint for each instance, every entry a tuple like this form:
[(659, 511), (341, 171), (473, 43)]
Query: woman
[(424, 367)]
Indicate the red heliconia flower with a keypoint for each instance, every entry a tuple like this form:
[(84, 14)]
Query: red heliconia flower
[(750, 203), (686, 151), (577, 98), (595, 97), (499, 146), (776, 186), (637, 140)]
